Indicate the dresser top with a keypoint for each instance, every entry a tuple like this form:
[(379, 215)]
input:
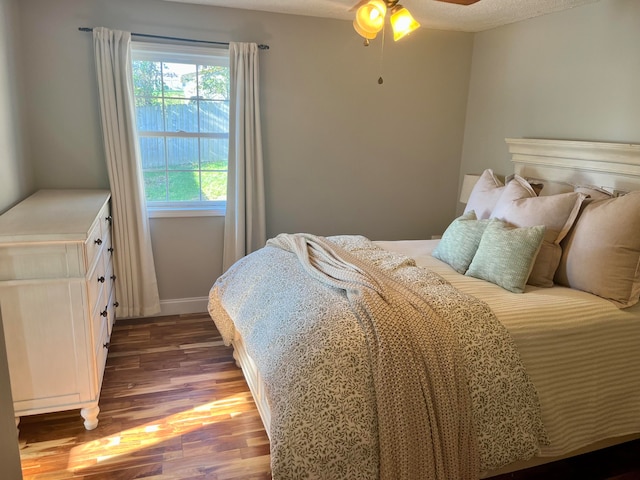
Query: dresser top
[(52, 215)]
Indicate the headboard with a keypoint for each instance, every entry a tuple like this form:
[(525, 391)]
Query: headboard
[(613, 166)]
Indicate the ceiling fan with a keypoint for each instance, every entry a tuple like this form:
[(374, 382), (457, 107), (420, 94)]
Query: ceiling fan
[(370, 15), (460, 2)]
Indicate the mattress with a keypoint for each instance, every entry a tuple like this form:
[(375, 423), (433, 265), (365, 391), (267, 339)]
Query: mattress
[(581, 352)]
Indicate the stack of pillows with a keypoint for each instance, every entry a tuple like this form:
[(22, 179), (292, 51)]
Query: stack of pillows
[(583, 239)]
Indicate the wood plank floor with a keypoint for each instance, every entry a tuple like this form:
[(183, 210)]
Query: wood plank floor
[(175, 406)]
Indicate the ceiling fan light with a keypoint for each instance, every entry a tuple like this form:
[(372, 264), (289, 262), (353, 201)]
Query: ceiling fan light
[(402, 22), (364, 33), (370, 16)]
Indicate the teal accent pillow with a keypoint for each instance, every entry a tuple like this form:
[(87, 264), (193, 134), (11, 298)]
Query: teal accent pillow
[(460, 241), (506, 254)]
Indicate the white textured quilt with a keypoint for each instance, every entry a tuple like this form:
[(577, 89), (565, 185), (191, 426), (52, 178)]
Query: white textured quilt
[(313, 354)]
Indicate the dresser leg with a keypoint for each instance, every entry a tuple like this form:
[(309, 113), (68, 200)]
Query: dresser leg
[(90, 416)]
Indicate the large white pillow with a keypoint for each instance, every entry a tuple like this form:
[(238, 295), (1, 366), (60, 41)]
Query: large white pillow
[(515, 190), (484, 195), (556, 212), (602, 252)]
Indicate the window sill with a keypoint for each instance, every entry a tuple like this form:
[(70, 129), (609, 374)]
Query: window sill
[(159, 212)]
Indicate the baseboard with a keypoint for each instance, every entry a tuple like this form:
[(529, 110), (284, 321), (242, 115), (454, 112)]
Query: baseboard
[(181, 306)]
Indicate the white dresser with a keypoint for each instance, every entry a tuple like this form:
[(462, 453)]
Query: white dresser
[(58, 300)]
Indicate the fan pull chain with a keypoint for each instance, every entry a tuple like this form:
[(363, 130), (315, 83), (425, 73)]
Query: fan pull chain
[(380, 80)]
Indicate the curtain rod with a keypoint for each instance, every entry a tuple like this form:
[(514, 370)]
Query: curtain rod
[(260, 46)]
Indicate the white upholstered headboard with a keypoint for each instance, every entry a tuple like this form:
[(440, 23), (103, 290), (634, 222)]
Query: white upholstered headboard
[(613, 166)]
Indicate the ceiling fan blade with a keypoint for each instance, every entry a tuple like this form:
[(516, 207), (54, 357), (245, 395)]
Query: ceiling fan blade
[(460, 2)]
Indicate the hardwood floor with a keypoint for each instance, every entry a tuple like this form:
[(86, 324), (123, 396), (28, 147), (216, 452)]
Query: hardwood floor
[(175, 406)]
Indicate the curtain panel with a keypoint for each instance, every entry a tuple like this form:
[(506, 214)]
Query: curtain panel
[(136, 284), (244, 227)]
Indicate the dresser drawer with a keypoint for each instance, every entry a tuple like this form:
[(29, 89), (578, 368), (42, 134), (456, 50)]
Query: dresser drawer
[(41, 261), (99, 317), (96, 282), (93, 245), (101, 350), (106, 220), (111, 310)]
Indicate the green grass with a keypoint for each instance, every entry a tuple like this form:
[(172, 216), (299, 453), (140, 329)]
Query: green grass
[(185, 185)]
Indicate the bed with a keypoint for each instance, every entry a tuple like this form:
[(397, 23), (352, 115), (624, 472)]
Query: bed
[(549, 350)]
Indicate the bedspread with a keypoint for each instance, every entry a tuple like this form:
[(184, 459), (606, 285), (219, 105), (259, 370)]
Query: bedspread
[(331, 364)]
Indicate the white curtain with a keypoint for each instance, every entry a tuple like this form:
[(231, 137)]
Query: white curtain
[(136, 284), (244, 226)]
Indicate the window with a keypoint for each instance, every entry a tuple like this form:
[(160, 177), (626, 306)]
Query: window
[(182, 113)]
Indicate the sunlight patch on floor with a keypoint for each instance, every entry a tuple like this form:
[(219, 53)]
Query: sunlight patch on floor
[(149, 434)]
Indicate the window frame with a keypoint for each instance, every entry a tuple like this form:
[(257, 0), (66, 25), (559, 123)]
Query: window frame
[(168, 53)]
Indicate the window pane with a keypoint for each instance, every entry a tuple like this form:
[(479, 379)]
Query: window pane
[(182, 154), (149, 114), (214, 82), (147, 79), (214, 116), (152, 153), (182, 115), (184, 186), (155, 186), (214, 153), (179, 80), (214, 185)]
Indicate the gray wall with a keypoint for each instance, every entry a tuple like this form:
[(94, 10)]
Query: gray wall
[(15, 184), (16, 174), (569, 75), (342, 153)]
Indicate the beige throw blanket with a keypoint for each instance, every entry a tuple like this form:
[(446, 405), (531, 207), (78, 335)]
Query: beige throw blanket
[(429, 434)]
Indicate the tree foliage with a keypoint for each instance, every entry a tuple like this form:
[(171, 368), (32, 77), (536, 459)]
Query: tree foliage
[(213, 82), (147, 82)]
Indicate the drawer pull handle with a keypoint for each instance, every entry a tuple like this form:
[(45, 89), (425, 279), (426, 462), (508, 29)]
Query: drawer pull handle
[(116, 304), (106, 345), (103, 313), (101, 279), (113, 277), (98, 241), (109, 219), (110, 249)]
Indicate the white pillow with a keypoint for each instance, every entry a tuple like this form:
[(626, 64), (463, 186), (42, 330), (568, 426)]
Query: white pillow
[(601, 254), (516, 189), (484, 195), (556, 212)]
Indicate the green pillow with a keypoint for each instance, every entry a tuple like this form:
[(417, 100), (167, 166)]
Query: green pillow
[(506, 254), (460, 241)]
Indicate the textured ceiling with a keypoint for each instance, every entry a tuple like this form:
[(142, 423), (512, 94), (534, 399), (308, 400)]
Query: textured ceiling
[(430, 13)]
